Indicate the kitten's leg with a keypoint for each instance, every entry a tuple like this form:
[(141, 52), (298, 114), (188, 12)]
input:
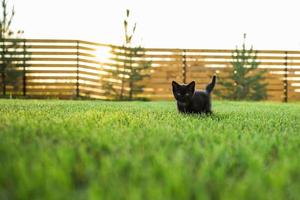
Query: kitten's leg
[(208, 112), (207, 108)]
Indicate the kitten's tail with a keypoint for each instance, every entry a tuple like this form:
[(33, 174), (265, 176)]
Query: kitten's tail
[(210, 87)]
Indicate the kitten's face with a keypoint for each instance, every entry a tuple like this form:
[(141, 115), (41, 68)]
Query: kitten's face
[(183, 93)]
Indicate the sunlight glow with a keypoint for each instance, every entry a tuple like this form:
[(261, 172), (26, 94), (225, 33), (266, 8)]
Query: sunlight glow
[(103, 54)]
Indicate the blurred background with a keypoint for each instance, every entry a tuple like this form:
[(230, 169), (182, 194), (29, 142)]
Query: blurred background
[(133, 49), (169, 23)]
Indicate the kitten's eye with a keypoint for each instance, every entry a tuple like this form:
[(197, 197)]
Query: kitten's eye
[(187, 94), (179, 94)]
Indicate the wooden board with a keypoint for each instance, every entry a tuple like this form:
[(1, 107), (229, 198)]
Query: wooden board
[(167, 64)]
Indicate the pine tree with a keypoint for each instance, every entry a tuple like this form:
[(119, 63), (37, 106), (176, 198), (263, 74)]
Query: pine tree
[(245, 80), (132, 68), (13, 52)]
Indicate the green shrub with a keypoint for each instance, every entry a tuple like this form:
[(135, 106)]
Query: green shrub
[(245, 79)]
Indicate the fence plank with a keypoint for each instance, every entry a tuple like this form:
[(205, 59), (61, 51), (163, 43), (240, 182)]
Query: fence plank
[(55, 58)]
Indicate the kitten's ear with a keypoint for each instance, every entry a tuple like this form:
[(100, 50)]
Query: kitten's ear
[(191, 85), (174, 84)]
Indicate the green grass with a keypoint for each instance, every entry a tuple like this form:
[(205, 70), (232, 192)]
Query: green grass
[(52, 149)]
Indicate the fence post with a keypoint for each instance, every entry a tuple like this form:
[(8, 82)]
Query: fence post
[(184, 71), (77, 69), (24, 67), (285, 79), (3, 52)]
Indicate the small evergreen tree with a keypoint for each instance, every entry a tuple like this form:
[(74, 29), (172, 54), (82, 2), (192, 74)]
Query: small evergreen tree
[(244, 81), (132, 67), (13, 51)]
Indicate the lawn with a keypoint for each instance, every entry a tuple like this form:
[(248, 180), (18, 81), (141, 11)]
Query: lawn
[(51, 149)]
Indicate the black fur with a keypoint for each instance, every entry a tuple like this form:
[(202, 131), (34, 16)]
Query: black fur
[(191, 101)]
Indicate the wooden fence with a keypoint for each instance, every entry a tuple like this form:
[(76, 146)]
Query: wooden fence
[(74, 68)]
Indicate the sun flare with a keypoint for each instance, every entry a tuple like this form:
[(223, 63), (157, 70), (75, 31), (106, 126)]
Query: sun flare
[(103, 54)]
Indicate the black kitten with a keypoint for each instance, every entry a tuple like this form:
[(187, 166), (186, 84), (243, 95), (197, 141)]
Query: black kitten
[(191, 101)]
